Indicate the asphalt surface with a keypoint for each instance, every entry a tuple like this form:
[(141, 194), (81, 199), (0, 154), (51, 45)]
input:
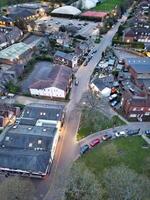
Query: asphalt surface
[(52, 187), (131, 126), (67, 148)]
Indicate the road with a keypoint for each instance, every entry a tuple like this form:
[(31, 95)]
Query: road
[(131, 126), (68, 148)]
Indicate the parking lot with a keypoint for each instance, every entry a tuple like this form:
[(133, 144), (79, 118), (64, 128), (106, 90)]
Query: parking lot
[(53, 23), (41, 71)]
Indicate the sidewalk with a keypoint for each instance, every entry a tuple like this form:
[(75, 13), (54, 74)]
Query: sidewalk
[(146, 138)]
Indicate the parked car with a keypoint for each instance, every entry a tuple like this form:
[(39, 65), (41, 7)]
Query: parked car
[(113, 96), (106, 137), (94, 142), (95, 51), (114, 103), (133, 132), (121, 133), (84, 149), (147, 132)]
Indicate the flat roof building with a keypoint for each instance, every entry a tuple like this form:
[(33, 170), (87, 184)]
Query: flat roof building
[(28, 149), (138, 67)]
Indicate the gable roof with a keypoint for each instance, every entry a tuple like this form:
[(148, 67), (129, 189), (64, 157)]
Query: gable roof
[(58, 77)]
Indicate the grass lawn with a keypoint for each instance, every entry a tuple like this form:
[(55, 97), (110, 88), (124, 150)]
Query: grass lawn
[(107, 5), (3, 3), (92, 122), (127, 151)]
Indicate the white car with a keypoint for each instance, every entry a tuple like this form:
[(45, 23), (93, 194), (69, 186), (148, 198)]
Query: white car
[(121, 133), (114, 103), (113, 96)]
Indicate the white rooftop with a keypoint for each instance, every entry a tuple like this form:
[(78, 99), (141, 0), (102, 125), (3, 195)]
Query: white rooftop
[(70, 10)]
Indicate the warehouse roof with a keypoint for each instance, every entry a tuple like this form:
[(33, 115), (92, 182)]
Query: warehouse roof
[(140, 65), (58, 77), (14, 51), (43, 111)]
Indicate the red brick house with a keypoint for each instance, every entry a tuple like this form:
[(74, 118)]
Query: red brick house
[(136, 106)]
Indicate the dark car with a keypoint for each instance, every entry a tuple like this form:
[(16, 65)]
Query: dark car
[(84, 149), (94, 142), (133, 132), (147, 132), (106, 137)]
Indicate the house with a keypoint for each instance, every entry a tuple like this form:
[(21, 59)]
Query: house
[(28, 147), (9, 35), (68, 59), (138, 67), (8, 114), (56, 86), (61, 38), (137, 34), (82, 48), (100, 83), (6, 21), (136, 106)]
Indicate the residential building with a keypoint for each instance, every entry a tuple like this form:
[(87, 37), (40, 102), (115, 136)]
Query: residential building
[(6, 21), (136, 107), (99, 84), (68, 59), (28, 147), (56, 86), (9, 35), (8, 114), (82, 48), (61, 38), (137, 34)]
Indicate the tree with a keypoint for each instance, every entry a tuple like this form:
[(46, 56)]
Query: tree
[(123, 183), (82, 185), (16, 188), (12, 88)]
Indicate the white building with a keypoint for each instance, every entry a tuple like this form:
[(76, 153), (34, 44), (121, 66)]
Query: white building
[(56, 86)]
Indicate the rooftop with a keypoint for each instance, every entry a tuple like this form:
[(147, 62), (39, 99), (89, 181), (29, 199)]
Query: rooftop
[(67, 10), (28, 148), (140, 65), (14, 51), (94, 14), (43, 111), (68, 56), (58, 77)]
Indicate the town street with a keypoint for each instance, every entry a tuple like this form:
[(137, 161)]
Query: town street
[(52, 188)]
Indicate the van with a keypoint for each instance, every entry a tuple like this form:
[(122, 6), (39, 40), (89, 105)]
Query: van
[(113, 96), (131, 90)]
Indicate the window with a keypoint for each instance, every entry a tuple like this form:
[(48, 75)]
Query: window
[(142, 109), (133, 115), (134, 109)]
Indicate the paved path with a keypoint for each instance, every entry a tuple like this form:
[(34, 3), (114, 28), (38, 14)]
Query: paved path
[(146, 138)]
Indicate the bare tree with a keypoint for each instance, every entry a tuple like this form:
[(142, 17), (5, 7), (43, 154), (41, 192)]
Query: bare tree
[(82, 185), (123, 183), (15, 188)]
